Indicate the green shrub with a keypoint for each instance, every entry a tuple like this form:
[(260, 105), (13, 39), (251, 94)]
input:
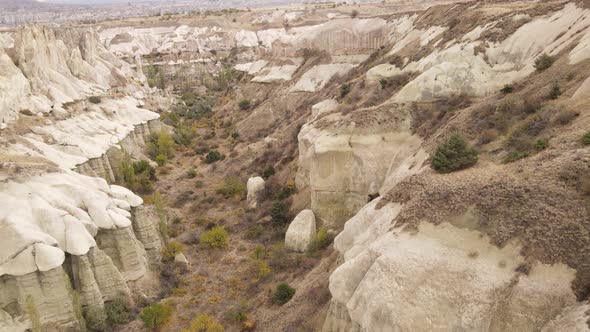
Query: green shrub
[(96, 319), (171, 249), (283, 293), (165, 144), (541, 144), (204, 323), (514, 156), (127, 170), (239, 311), (268, 172), (454, 155), (232, 187), (259, 252), (144, 175), (555, 91), (383, 83), (320, 241), (213, 156), (143, 166), (586, 138), (155, 77), (344, 90), (161, 147), (191, 173), (278, 212), (94, 100), (117, 311), (245, 104), (156, 315), (161, 159), (508, 88), (286, 191), (543, 62), (215, 238)]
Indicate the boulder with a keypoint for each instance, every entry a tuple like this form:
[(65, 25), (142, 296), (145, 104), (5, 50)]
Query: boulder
[(180, 258), (301, 231), (325, 106), (255, 186)]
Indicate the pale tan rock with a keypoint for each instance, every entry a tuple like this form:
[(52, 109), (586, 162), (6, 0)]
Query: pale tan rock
[(301, 231), (343, 163), (254, 186)]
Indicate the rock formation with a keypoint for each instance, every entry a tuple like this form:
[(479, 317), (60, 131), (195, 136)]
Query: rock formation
[(63, 231), (254, 186), (301, 231)]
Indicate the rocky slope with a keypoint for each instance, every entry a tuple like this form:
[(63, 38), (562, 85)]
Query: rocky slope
[(350, 110), (374, 96), (66, 232)]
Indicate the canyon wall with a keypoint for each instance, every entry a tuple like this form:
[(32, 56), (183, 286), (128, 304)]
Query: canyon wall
[(65, 229)]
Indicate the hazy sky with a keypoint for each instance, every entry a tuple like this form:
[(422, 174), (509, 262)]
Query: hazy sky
[(96, 1)]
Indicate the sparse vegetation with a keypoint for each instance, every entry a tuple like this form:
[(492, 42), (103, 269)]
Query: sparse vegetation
[(204, 323), (156, 315), (278, 212), (245, 104), (33, 314), (76, 304), (354, 13), (268, 172), (555, 91), (565, 117), (117, 311), (487, 136), (283, 293), (26, 112), (191, 173), (586, 138), (171, 249), (454, 155), (543, 62), (319, 242), (162, 219), (514, 156), (137, 176), (232, 187), (96, 319), (94, 99), (508, 88), (541, 144), (215, 238), (213, 156), (161, 147), (155, 77), (344, 90)]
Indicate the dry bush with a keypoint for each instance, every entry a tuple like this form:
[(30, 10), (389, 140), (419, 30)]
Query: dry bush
[(487, 136), (523, 137), (428, 117), (565, 117)]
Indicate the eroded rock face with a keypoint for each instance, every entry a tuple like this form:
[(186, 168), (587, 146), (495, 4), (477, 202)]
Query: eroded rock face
[(254, 186), (344, 160), (452, 278), (301, 231), (64, 230)]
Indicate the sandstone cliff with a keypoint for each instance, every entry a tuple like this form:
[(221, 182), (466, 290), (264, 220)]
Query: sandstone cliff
[(62, 231)]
